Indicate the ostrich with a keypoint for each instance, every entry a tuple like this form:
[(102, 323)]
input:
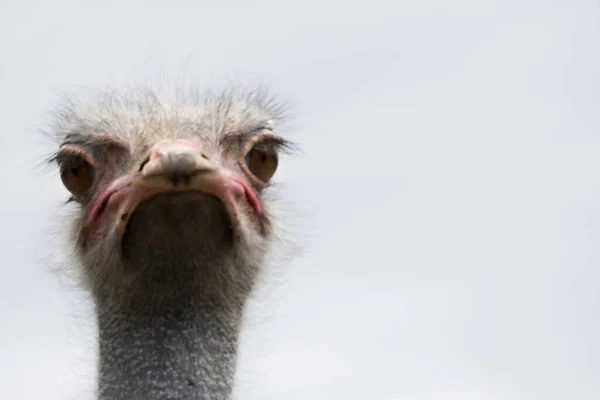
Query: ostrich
[(173, 225)]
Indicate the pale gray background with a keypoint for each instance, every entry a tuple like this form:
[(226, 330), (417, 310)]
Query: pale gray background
[(448, 194)]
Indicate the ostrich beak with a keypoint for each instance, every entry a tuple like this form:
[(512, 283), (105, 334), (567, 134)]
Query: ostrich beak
[(173, 166), (176, 165)]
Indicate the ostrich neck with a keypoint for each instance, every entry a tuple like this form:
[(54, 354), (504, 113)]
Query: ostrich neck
[(177, 351)]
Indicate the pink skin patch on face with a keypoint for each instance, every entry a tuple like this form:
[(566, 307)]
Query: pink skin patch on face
[(127, 192)]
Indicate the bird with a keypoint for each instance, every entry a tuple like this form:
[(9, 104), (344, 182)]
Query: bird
[(171, 229)]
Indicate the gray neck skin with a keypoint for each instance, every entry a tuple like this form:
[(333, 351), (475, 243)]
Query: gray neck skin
[(179, 353), (169, 310)]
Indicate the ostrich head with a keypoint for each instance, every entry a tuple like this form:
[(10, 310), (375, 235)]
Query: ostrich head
[(171, 231)]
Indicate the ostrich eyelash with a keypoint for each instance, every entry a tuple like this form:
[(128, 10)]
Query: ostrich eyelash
[(275, 143), (268, 138)]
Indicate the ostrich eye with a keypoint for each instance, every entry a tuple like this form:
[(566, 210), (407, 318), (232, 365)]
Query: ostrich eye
[(262, 162), (77, 175)]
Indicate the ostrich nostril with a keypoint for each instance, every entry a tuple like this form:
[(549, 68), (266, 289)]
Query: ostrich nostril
[(143, 163), (204, 156)]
